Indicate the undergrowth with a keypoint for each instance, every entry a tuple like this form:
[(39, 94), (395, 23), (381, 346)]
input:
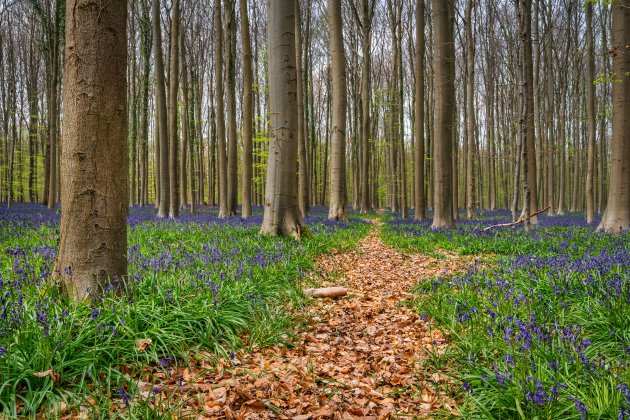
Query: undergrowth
[(544, 331), (196, 284)]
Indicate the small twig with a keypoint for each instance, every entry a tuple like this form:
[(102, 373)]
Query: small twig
[(521, 220)]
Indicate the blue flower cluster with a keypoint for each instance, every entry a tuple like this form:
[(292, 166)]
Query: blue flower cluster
[(543, 328)]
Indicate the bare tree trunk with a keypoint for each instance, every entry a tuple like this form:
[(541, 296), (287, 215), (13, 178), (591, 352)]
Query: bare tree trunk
[(145, 53), (93, 245), (187, 143), (303, 180), (230, 52), (248, 111), (33, 111), (282, 215), (420, 201), (444, 81), (53, 106), (160, 100), (337, 209), (366, 46), (590, 114), (617, 215), (470, 112), (224, 210), (173, 87), (525, 25)]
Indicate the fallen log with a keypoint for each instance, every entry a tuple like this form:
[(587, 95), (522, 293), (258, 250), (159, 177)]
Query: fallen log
[(521, 220), (327, 292)]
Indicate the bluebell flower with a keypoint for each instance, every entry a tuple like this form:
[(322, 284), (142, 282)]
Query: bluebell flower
[(579, 406)]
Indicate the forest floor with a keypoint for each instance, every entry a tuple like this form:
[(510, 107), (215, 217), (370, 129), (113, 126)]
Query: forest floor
[(367, 355)]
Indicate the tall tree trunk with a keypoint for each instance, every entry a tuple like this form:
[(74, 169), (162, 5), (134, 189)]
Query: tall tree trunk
[(444, 81), (617, 215), (366, 45), (160, 102), (145, 52), (282, 215), (525, 25), (248, 111), (420, 202), (33, 111), (303, 190), (337, 209), (53, 104), (173, 86), (93, 245), (187, 143), (230, 52), (590, 114), (470, 112), (224, 209)]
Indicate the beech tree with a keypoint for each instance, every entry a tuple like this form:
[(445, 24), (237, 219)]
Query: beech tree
[(248, 111), (617, 215), (444, 81), (281, 213), (536, 70), (419, 198), (161, 115), (94, 190), (337, 209)]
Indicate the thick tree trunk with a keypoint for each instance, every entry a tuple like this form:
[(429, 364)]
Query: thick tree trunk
[(617, 215), (93, 245), (248, 111), (282, 215), (337, 209), (162, 119), (420, 201), (444, 81)]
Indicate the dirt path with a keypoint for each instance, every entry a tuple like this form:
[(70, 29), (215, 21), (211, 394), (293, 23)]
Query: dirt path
[(363, 356)]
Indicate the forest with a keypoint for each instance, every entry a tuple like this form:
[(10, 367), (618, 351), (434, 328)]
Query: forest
[(315, 209)]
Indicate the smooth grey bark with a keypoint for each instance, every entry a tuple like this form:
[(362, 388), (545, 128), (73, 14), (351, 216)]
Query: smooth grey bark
[(337, 208), (281, 213), (617, 214)]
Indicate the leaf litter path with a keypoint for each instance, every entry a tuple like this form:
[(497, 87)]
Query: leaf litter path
[(363, 356)]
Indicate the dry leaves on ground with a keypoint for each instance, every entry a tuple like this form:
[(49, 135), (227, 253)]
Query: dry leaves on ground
[(362, 356)]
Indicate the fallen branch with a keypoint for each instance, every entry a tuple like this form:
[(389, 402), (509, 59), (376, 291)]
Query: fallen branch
[(521, 220), (327, 292)]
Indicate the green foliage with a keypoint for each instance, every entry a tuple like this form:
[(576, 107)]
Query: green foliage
[(198, 284), (543, 331)]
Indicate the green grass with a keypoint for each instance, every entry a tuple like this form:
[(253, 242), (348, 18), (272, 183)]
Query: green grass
[(194, 286), (540, 332)]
